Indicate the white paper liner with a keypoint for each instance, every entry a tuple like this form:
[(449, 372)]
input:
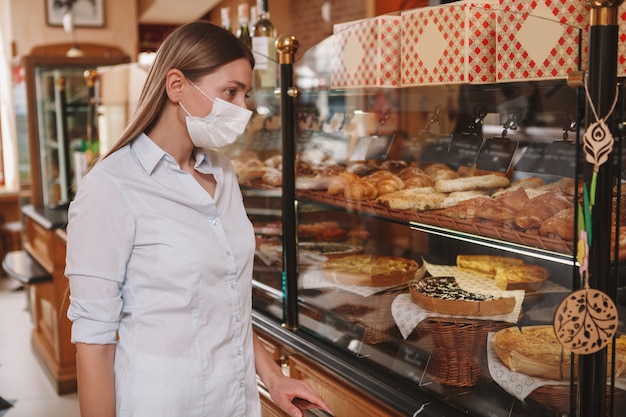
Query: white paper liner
[(521, 385), (312, 278), (408, 315)]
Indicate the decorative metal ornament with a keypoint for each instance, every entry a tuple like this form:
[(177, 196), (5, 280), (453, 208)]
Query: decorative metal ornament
[(586, 321), (598, 143)]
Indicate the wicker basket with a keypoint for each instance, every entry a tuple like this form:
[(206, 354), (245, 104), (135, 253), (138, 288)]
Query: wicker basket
[(458, 349), (557, 398), (373, 313)]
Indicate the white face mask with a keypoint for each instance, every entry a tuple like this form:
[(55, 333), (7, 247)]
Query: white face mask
[(220, 127)]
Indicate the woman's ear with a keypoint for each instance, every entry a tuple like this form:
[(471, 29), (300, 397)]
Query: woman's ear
[(174, 81)]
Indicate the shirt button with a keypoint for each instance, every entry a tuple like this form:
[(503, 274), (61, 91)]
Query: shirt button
[(237, 319), (232, 286), (228, 253), (239, 352), (216, 222)]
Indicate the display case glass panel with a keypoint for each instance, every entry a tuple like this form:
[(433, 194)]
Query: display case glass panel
[(61, 114), (469, 188)]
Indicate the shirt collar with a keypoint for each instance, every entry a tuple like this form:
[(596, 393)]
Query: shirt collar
[(149, 154)]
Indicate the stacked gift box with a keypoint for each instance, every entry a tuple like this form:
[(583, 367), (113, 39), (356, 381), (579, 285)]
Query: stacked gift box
[(473, 41)]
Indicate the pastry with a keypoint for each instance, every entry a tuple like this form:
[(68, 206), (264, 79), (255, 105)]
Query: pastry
[(508, 273), (560, 225), (370, 270), (535, 351), (443, 295), (482, 182), (541, 208), (339, 183), (440, 172), (404, 199), (360, 190)]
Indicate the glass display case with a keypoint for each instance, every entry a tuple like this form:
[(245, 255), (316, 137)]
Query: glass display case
[(61, 113), (468, 190)]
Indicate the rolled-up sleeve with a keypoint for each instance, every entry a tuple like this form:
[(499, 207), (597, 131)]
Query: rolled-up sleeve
[(100, 235)]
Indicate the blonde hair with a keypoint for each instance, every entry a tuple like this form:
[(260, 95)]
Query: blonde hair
[(196, 49)]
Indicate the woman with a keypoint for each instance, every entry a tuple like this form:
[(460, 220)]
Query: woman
[(160, 250)]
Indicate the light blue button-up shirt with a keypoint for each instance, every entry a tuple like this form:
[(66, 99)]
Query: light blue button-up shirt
[(151, 257)]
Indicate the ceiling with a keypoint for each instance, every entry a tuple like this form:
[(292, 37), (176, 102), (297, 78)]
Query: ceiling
[(172, 12)]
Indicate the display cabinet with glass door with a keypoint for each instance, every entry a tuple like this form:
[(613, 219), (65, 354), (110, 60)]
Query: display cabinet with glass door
[(437, 227), (61, 114)]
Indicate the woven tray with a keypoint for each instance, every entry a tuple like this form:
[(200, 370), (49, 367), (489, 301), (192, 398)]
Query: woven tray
[(458, 349), (557, 398), (431, 218), (373, 313)]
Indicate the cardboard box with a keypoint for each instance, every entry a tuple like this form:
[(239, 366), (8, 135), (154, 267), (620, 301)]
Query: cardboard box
[(452, 43), (366, 53), (541, 39)]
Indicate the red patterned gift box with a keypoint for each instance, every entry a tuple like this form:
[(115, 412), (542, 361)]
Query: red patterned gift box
[(366, 53), (540, 39), (452, 43)]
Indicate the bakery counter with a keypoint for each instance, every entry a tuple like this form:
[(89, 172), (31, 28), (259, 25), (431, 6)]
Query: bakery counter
[(45, 241)]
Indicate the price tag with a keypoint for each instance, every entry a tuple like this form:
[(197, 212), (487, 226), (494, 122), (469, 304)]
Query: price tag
[(324, 146), (464, 149), (436, 151), (556, 158), (496, 154), (266, 139), (371, 147)]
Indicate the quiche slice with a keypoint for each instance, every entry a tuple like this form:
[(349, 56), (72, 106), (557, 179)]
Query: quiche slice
[(370, 270)]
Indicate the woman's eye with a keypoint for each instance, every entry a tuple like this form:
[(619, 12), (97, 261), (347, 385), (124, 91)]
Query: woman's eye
[(231, 92)]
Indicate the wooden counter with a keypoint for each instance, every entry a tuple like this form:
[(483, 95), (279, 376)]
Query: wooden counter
[(45, 241)]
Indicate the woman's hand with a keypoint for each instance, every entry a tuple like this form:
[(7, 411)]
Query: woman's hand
[(282, 389), (285, 390)]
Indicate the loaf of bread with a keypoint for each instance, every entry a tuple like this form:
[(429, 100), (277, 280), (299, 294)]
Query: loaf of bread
[(443, 295), (483, 182), (468, 209), (404, 199), (541, 208), (560, 225)]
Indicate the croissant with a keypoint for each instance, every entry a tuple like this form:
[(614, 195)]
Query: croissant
[(338, 184), (418, 181), (360, 190), (389, 185), (409, 172), (441, 172), (377, 176)]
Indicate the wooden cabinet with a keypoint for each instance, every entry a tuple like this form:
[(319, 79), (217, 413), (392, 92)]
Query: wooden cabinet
[(343, 398), (45, 242)]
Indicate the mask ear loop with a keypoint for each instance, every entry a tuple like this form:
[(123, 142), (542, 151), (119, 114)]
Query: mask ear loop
[(201, 92), (184, 109)]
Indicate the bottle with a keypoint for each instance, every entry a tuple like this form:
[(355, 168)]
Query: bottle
[(225, 17), (264, 49), (254, 16), (243, 33)]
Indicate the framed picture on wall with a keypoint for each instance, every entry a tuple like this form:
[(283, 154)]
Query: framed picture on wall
[(86, 13)]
